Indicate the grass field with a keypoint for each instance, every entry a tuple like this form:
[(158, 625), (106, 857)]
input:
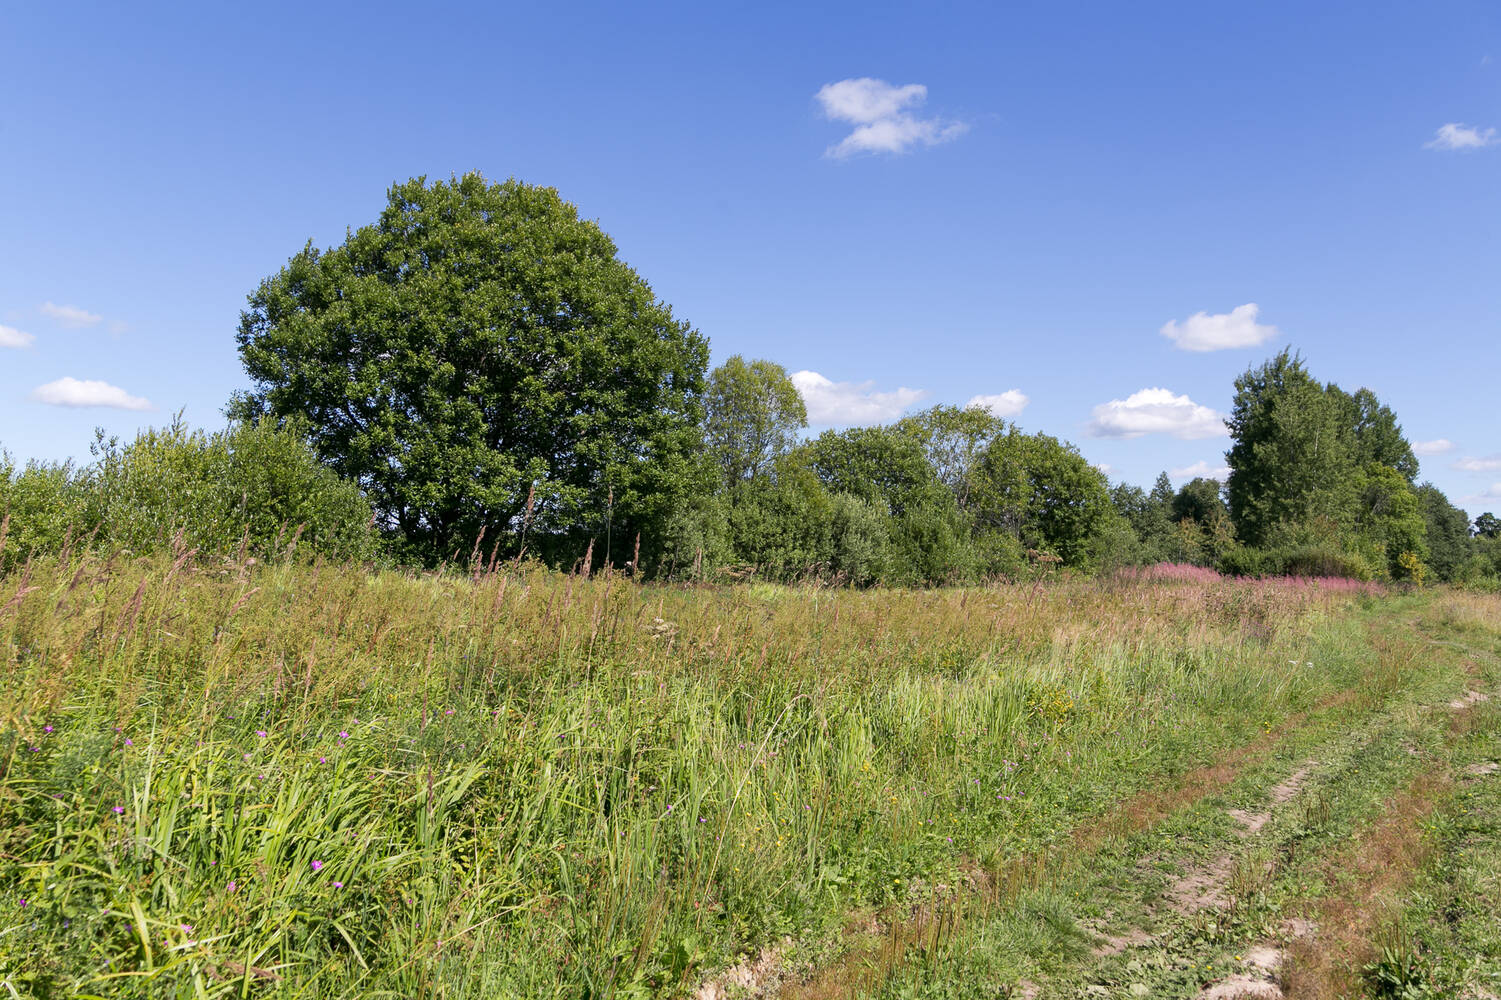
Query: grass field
[(237, 780)]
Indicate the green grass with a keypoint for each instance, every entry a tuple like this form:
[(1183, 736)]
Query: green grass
[(312, 781)]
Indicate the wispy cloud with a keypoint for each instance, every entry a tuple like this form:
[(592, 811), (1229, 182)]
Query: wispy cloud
[(11, 337), (70, 315), (1201, 470), (1489, 463), (1219, 331), (1492, 492), (1457, 135), (1156, 411), (1002, 404), (1437, 447), (76, 392), (883, 116), (847, 403)]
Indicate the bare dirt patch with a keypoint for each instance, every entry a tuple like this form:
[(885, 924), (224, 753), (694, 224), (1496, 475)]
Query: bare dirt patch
[(1252, 822), (1468, 699), (1482, 770), (750, 977), (1203, 887), (1114, 944)]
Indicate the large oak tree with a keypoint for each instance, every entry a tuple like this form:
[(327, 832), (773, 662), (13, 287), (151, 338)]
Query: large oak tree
[(480, 348)]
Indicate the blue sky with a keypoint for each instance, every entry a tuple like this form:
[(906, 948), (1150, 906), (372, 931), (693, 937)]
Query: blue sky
[(910, 204)]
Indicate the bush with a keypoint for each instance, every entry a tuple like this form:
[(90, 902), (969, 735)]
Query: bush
[(858, 540), (45, 504), (256, 486)]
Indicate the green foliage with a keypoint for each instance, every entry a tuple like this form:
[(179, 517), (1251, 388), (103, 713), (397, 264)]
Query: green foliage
[(1043, 493), (260, 484), (859, 540), (1389, 515), (477, 348), (782, 525), (1292, 454), (46, 505), (752, 415), (953, 440), (1376, 436), (256, 487), (1488, 525), (1447, 531)]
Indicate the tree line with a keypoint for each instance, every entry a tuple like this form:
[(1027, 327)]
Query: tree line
[(477, 375)]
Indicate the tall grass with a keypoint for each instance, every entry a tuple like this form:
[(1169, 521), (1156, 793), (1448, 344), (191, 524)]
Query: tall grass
[(226, 780)]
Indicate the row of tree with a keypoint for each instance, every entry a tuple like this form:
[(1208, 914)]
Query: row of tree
[(478, 364)]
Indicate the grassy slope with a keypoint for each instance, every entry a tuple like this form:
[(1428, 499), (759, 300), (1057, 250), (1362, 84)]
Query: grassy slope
[(314, 782)]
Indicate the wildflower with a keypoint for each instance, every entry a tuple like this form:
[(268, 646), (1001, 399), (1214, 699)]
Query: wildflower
[(230, 887), (186, 928), (119, 810), (317, 865), (323, 760), (261, 733), (338, 885), (46, 729), (129, 743), (343, 735)]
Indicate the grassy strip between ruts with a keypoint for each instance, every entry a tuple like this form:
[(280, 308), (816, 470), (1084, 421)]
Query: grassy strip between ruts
[(314, 781)]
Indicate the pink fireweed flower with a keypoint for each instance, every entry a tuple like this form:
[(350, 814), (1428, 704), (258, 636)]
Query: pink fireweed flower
[(317, 866), (338, 885), (119, 810), (46, 729), (230, 887), (343, 735), (261, 733), (323, 760), (129, 743)]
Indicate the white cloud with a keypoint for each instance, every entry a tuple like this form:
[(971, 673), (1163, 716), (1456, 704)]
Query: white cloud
[(73, 392), (1201, 470), (882, 116), (1489, 463), (11, 337), (1457, 135), (1156, 411), (70, 315), (851, 402), (1001, 404), (1492, 492), (1205, 332), (1437, 447), (1105, 467)]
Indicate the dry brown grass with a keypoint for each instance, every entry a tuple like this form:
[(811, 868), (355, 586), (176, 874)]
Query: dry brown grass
[(1368, 881)]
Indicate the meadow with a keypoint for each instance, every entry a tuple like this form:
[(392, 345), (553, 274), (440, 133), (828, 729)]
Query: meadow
[(229, 778)]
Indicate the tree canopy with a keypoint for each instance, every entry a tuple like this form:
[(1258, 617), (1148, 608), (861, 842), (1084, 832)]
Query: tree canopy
[(752, 416), (479, 357)]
